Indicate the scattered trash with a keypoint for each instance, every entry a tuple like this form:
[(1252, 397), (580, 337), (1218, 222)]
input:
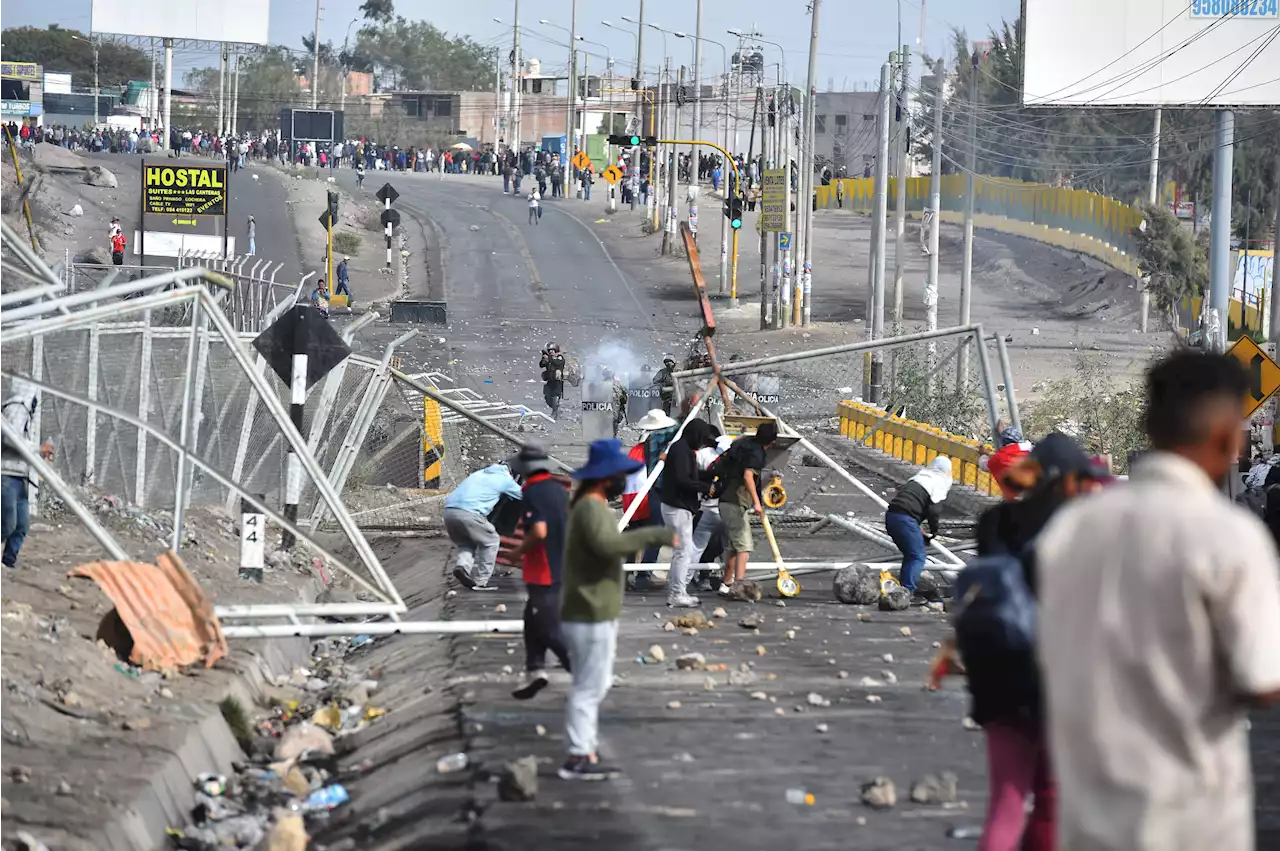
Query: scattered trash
[(873, 698), (689, 631), (330, 797), (211, 784), (719, 612), (887, 658), (668, 627), (889, 677), (870, 682), (790, 634), (289, 833), (759, 695), (760, 651), (781, 604), (800, 797), (964, 833), (673, 704), (844, 675), (20, 774), (821, 728), (500, 608), (540, 730), (906, 630), (451, 763), (816, 699), (969, 724), (300, 738), (361, 640)]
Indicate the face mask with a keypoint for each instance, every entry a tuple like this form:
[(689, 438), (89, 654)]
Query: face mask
[(615, 487)]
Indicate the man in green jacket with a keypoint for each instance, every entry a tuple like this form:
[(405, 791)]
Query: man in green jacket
[(593, 583)]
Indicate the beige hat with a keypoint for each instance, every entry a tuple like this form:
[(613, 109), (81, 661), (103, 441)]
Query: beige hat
[(656, 420)]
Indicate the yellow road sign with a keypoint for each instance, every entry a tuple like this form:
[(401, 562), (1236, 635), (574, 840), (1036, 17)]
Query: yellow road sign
[(612, 174), (581, 161), (1264, 373)]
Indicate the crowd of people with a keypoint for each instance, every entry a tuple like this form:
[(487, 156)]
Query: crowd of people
[(1108, 725)]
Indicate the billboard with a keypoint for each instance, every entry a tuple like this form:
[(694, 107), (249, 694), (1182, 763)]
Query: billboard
[(311, 125), (1151, 53), (184, 207), (238, 21)]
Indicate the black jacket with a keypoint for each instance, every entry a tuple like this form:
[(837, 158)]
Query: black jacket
[(913, 500), (683, 484)]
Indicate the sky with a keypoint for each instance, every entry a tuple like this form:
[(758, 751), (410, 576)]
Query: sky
[(855, 39)]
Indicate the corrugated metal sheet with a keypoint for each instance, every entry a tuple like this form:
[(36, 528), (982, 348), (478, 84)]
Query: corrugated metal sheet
[(166, 612)]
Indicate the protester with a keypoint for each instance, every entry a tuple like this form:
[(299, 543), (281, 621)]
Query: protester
[(683, 486), (19, 410), (535, 207), (916, 503), (466, 521), (253, 236), (1002, 672), (657, 430), (708, 541), (541, 553), (593, 583), (344, 278), (117, 248), (738, 471), (1001, 463), (1159, 623), (320, 297)]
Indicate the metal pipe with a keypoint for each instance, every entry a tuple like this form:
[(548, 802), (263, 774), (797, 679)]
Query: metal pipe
[(988, 385), (322, 610), (21, 296), (48, 474), (147, 430), (509, 626), (1220, 226), (864, 531), (845, 348), (1009, 394), (184, 429), (180, 276), (63, 322)]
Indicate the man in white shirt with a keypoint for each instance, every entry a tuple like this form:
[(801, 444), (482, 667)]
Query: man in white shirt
[(1159, 628), (535, 206)]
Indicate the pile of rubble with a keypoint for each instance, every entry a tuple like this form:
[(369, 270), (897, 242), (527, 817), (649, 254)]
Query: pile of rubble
[(291, 779)]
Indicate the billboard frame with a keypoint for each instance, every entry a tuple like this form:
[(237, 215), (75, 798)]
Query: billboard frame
[(209, 21)]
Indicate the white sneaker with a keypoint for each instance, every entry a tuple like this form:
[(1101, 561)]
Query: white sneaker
[(725, 590), (683, 601)]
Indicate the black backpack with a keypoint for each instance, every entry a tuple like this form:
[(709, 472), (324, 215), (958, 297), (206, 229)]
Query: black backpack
[(996, 611)]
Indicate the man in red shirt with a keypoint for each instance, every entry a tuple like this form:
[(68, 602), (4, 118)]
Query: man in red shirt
[(1003, 461), (546, 514)]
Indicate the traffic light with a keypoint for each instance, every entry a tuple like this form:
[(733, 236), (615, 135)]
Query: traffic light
[(733, 211), (632, 141)]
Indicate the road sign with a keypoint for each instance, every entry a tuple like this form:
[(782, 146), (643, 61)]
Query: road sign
[(612, 174), (387, 193), (390, 217), (581, 161), (304, 331), (774, 200), (1264, 373), (784, 242), (184, 207), (325, 219)]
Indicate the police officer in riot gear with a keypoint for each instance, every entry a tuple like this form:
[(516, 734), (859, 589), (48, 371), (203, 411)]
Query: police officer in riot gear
[(552, 364), (666, 383), (619, 397)]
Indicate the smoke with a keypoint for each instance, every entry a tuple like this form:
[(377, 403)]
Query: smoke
[(622, 360)]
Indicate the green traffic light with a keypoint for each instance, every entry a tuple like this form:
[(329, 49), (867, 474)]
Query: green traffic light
[(735, 223), (635, 140)]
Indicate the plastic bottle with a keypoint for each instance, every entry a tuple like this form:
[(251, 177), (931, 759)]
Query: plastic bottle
[(451, 763), (800, 796), (328, 798)]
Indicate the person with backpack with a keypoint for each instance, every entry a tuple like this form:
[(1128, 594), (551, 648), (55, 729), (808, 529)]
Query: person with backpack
[(657, 431), (1158, 626), (995, 638), (916, 503)]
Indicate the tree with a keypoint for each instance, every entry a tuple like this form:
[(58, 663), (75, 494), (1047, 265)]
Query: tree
[(418, 55), (268, 83), (1172, 264), (71, 51), (1088, 404), (378, 11)]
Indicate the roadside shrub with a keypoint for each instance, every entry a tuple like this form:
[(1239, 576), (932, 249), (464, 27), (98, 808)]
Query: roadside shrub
[(346, 242)]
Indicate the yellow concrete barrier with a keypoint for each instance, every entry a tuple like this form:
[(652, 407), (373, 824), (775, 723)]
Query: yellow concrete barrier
[(917, 443)]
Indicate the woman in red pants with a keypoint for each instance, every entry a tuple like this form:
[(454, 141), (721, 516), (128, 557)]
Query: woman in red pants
[(1005, 683)]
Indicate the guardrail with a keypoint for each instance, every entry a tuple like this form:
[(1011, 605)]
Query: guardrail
[(916, 443)]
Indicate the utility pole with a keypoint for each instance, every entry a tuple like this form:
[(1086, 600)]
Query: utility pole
[(787, 134), (935, 204), (669, 230), (810, 124), (697, 96), (641, 91), (1220, 225), (966, 268), (497, 100), (315, 67), (168, 92), (766, 303), (882, 210), (775, 270), (1275, 257), (900, 201), (222, 88), (96, 90), (235, 95), (1153, 194), (571, 122), (513, 121)]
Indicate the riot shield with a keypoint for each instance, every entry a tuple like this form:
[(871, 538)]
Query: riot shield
[(642, 396), (768, 389), (597, 409)]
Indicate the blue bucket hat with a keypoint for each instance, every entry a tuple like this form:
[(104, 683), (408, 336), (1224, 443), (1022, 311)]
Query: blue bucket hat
[(606, 459)]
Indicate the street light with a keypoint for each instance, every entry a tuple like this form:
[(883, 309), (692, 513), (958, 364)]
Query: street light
[(346, 64)]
